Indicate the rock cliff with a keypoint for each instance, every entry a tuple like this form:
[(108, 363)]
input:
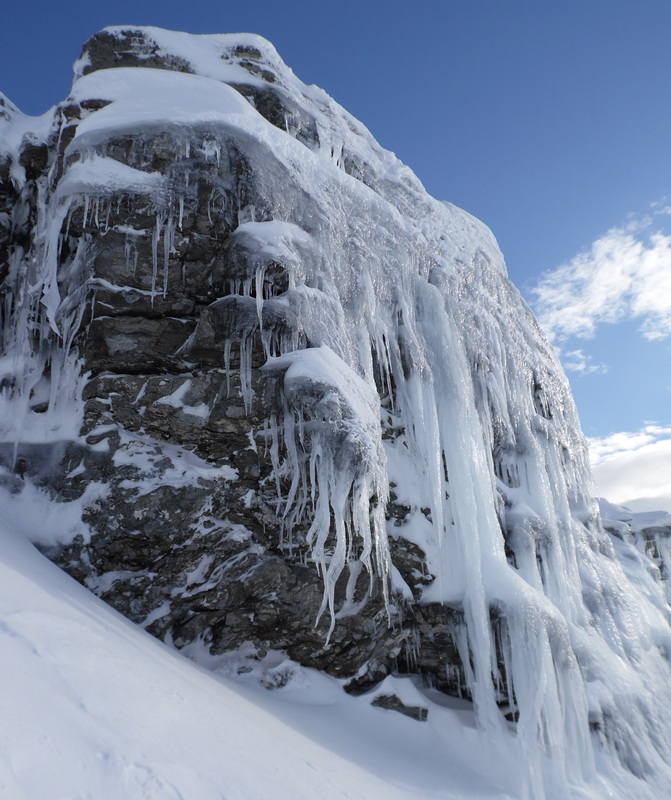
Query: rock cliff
[(291, 402)]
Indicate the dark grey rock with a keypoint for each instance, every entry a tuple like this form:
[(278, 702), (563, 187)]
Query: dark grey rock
[(34, 157), (200, 553), (393, 703), (135, 344), (273, 104), (131, 48)]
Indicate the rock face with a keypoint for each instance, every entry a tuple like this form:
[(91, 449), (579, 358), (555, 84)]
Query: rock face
[(167, 262), (294, 403)]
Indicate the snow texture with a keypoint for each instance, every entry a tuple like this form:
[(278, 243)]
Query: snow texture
[(409, 317), (98, 708)]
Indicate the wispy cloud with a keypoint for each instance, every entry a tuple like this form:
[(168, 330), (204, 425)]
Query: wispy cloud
[(625, 274), (577, 361), (633, 468)]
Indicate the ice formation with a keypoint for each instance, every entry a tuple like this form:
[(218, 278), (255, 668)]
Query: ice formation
[(401, 354)]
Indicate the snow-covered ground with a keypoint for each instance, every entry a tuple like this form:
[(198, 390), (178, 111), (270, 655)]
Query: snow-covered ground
[(91, 706), (94, 707)]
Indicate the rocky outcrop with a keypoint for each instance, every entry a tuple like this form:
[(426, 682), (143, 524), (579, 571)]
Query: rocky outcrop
[(187, 538), (292, 403)]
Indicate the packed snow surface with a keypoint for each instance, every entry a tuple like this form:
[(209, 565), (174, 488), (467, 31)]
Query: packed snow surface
[(410, 319)]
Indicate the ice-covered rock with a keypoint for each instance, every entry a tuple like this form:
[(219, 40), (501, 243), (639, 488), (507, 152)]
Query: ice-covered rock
[(292, 400)]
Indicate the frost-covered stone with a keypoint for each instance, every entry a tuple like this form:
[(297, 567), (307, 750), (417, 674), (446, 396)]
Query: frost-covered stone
[(295, 403)]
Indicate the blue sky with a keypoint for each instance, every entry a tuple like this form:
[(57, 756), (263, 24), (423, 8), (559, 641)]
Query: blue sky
[(549, 121)]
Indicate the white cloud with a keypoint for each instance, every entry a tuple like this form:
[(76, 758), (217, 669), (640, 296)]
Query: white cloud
[(661, 207), (625, 274), (634, 469), (577, 361)]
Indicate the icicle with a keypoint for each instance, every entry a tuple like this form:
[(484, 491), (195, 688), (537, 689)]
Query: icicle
[(168, 248), (260, 276), (246, 371), (156, 235), (227, 365)]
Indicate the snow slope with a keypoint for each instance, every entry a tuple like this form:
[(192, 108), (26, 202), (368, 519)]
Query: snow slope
[(94, 707)]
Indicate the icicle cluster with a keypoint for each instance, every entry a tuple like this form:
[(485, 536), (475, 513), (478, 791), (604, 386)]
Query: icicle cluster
[(335, 464)]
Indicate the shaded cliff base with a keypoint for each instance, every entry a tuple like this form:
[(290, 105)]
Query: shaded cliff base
[(100, 708)]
